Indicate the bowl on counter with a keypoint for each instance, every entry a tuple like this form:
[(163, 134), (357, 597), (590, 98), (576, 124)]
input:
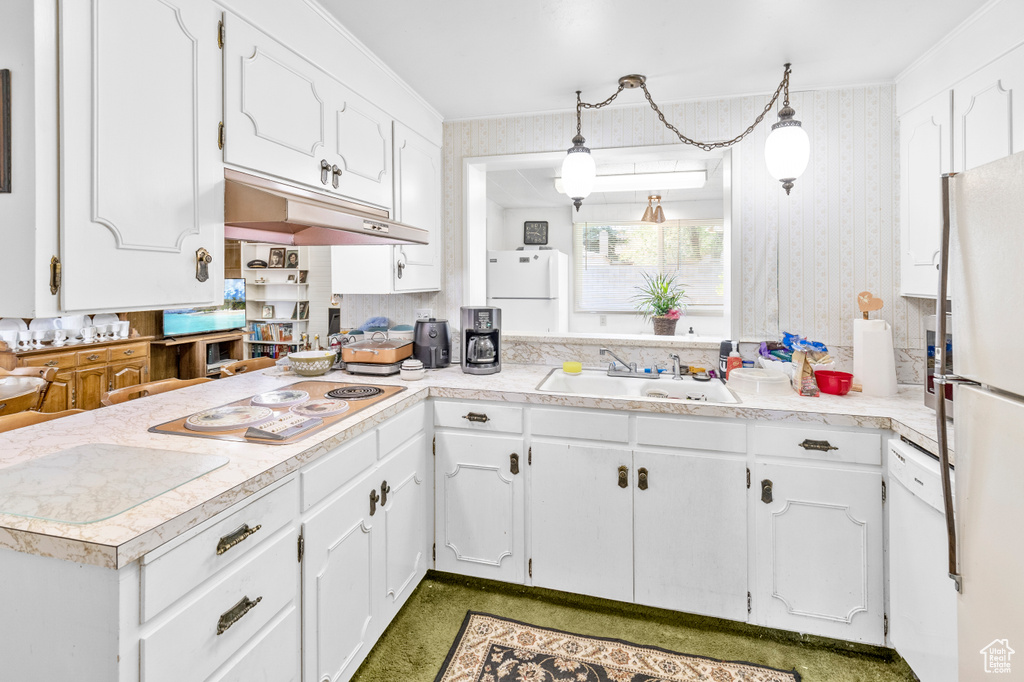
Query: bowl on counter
[(403, 332), (834, 383), (412, 370), (311, 363)]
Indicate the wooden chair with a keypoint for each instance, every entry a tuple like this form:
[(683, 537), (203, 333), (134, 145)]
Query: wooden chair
[(47, 374), (246, 366), (16, 421), (121, 395)]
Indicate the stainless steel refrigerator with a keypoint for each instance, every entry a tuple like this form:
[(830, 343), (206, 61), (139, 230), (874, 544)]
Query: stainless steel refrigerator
[(985, 243)]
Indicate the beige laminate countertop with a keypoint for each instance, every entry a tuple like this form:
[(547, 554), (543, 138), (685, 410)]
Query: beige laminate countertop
[(119, 540)]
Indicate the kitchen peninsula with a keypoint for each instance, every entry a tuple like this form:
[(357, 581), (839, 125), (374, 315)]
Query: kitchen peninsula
[(154, 572)]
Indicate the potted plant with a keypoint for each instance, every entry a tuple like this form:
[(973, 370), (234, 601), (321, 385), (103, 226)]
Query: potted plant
[(661, 299)]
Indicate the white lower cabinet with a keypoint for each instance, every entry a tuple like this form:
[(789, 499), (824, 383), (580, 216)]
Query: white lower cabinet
[(581, 513), (819, 551), (690, 534), (479, 505)]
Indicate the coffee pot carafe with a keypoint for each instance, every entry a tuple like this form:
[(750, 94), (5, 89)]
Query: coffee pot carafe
[(481, 340)]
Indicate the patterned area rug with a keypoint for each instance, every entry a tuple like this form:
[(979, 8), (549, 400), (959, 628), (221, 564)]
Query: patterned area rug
[(493, 649)]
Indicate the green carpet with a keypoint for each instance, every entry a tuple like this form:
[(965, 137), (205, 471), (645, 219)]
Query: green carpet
[(415, 644)]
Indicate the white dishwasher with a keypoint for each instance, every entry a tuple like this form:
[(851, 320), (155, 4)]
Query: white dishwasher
[(922, 598)]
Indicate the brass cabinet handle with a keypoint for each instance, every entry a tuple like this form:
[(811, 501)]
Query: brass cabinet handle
[(53, 363), (235, 537), (479, 417), (766, 491), (820, 445), (2, 406), (623, 476), (130, 351), (94, 356), (235, 613), (384, 490), (641, 478), (336, 173), (325, 171), (373, 502), (513, 465)]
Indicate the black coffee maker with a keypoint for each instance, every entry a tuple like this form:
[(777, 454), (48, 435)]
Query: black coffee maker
[(481, 340), (432, 343)]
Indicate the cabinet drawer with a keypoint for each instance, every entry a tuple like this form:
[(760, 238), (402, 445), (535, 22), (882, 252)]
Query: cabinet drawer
[(335, 469), (129, 351), (692, 434), (399, 429), (59, 360), (169, 575), (93, 356), (272, 655), (818, 444), (188, 646), (587, 424), (499, 418)]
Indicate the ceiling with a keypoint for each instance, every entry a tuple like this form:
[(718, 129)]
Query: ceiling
[(471, 59), (535, 187)]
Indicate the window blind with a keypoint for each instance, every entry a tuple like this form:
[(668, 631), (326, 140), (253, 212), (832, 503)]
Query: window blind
[(609, 259)]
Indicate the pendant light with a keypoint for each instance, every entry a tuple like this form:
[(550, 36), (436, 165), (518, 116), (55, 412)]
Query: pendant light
[(578, 168), (653, 214), (787, 148)]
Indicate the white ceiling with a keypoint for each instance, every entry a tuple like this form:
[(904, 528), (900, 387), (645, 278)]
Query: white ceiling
[(473, 58)]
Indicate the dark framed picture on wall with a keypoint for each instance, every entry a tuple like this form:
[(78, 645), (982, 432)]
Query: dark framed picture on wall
[(535, 232), (5, 131)]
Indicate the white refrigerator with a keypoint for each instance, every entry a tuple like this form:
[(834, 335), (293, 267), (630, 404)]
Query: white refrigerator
[(986, 273), (531, 288)]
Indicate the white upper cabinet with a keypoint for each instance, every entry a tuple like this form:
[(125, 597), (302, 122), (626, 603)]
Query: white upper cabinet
[(988, 113), (418, 203), (925, 143), (140, 174), (287, 118)]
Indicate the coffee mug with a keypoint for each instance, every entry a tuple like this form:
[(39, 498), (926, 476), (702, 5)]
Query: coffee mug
[(123, 329), (88, 334)]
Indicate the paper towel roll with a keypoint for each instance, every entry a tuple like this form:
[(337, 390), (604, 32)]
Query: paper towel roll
[(874, 362)]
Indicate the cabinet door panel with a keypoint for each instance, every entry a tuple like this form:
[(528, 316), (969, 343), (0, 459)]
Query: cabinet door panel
[(89, 387), (340, 574), (407, 516), (988, 113), (361, 147), (418, 203), (479, 506), (924, 155), (582, 520), (61, 395), (690, 534), (136, 206), (819, 551), (128, 373)]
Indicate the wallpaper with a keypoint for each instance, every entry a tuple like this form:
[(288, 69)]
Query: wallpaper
[(803, 257)]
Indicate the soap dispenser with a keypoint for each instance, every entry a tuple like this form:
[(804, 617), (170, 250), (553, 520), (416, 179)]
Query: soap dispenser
[(734, 360)]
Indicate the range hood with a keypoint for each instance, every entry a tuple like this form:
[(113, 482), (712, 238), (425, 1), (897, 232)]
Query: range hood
[(260, 210)]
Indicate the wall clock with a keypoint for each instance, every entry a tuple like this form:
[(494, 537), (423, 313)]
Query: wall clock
[(535, 232)]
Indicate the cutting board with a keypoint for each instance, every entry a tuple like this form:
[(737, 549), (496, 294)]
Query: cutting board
[(90, 483)]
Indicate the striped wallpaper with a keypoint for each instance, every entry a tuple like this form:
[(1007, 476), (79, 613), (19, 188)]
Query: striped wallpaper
[(803, 257)]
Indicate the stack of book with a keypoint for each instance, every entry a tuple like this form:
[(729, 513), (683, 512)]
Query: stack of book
[(270, 331)]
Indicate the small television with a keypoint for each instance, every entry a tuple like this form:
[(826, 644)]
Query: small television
[(229, 315)]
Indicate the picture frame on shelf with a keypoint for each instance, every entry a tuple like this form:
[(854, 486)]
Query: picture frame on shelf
[(302, 276), (268, 312), (291, 260), (295, 312), (291, 279), (303, 310), (276, 257)]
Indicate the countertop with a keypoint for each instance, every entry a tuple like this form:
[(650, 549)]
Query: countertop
[(124, 538)]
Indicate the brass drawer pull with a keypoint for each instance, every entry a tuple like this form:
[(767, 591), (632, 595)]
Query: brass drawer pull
[(384, 490), (766, 491), (233, 538), (94, 356), (130, 351), (53, 363), (478, 417), (513, 465), (641, 478), (235, 613), (820, 445), (2, 406), (623, 476), (373, 502)]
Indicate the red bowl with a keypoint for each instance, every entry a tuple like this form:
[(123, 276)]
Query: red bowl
[(836, 383)]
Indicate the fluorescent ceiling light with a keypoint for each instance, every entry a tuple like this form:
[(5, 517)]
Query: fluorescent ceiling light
[(646, 182)]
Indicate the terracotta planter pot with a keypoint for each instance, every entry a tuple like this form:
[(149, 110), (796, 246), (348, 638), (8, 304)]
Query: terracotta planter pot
[(663, 326)]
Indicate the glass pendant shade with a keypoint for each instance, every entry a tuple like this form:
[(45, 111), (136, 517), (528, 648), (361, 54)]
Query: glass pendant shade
[(659, 214), (578, 172), (787, 149), (649, 213)]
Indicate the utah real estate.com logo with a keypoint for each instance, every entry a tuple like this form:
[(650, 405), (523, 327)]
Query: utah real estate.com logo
[(997, 656)]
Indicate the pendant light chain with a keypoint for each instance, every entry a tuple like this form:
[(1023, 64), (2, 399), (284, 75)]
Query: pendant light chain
[(706, 146)]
